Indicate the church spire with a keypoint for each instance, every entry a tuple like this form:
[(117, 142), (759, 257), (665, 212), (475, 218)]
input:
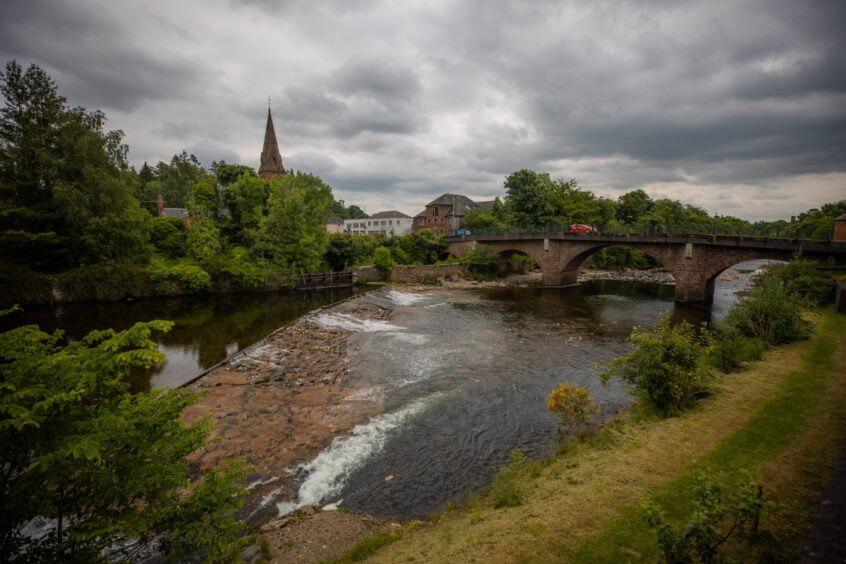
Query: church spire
[(271, 160)]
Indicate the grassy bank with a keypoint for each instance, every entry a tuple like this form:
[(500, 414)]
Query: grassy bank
[(783, 419)]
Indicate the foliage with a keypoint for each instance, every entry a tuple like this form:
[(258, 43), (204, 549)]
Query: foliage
[(481, 261), (347, 251), (189, 277), (246, 201), (632, 205), (368, 546), (103, 465), (664, 367), (721, 513), (732, 350), (620, 256), (204, 241), (506, 490), (226, 174), (106, 283), (169, 235), (802, 279), (294, 231), (174, 180), (236, 266), (572, 406), (479, 219), (22, 285), (383, 262), (66, 191), (770, 313)]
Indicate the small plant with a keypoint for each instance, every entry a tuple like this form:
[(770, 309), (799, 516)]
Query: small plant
[(733, 350), (383, 262), (573, 407), (770, 313), (720, 514), (505, 491), (481, 261), (665, 367)]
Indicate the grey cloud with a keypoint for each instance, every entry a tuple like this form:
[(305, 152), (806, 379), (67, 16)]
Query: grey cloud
[(92, 56)]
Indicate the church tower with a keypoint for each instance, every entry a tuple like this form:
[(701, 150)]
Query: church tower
[(271, 160)]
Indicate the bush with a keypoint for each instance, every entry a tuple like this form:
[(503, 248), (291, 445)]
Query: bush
[(188, 277), (236, 267), (506, 491), (665, 367), (572, 406), (169, 235), (20, 285), (104, 283), (733, 350), (802, 279), (770, 313), (481, 261), (620, 256), (383, 262), (720, 513)]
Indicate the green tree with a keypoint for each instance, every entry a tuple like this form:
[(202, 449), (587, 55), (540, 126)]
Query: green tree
[(169, 235), (246, 200), (103, 465), (530, 198), (226, 174), (67, 195), (632, 205), (294, 231), (383, 262), (481, 219)]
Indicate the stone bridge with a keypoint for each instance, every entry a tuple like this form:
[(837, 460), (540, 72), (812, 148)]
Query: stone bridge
[(695, 261)]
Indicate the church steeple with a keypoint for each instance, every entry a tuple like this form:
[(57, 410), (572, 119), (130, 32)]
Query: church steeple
[(271, 160)]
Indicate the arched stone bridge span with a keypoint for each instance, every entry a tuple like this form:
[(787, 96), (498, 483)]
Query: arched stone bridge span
[(694, 261)]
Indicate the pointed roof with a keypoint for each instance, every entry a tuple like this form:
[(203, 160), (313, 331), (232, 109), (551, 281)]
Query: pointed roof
[(271, 160)]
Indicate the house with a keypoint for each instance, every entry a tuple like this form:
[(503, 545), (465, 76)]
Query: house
[(445, 214), (181, 213), (335, 225), (385, 223)]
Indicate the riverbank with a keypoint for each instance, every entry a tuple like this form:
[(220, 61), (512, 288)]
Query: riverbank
[(783, 419)]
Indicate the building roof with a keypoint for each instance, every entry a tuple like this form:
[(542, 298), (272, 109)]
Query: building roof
[(841, 218), (271, 160), (334, 220), (460, 204), (487, 205), (389, 214), (174, 212)]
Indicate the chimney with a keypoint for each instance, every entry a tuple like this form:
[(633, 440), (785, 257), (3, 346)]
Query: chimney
[(160, 205)]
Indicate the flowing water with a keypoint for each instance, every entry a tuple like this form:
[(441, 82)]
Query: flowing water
[(460, 378), (463, 378)]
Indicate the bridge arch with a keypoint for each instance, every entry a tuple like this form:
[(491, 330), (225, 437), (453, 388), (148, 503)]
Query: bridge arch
[(570, 266), (507, 254)]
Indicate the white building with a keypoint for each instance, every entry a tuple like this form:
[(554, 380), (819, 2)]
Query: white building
[(385, 223)]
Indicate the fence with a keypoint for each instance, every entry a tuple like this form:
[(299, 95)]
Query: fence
[(324, 280)]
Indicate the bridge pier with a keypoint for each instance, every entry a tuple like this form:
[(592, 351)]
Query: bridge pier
[(554, 276), (692, 289)]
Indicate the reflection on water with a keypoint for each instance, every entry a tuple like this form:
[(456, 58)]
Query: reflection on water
[(207, 328)]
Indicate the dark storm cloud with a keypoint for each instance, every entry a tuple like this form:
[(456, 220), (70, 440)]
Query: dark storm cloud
[(93, 57)]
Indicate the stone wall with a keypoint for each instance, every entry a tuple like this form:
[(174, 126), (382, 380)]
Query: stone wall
[(417, 274)]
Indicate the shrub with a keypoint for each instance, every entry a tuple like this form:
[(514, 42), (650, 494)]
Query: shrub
[(620, 256), (20, 285), (572, 406), (802, 279), (236, 267), (665, 367), (732, 350), (506, 491), (770, 313), (520, 263), (169, 235), (720, 513), (190, 278), (383, 261), (481, 261), (106, 283)]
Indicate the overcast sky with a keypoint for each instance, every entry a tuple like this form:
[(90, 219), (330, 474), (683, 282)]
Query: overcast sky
[(737, 106)]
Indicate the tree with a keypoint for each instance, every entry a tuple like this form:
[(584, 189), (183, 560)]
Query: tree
[(383, 262), (632, 205), (530, 198), (294, 231), (480, 219), (66, 191), (226, 174), (105, 467), (246, 200)]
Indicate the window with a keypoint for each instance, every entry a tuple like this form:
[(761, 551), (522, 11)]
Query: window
[(434, 211), (390, 222), (383, 222)]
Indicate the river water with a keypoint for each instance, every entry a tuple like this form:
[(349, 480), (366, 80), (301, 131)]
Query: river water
[(207, 328), (460, 378), (463, 377)]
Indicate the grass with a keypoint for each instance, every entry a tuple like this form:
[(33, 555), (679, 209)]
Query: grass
[(782, 419), (367, 547)]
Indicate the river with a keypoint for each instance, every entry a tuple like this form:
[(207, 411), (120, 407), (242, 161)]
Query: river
[(457, 378)]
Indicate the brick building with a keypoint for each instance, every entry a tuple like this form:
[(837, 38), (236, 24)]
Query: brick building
[(445, 214)]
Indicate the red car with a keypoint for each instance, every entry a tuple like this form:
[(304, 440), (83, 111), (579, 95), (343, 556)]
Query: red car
[(580, 228)]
